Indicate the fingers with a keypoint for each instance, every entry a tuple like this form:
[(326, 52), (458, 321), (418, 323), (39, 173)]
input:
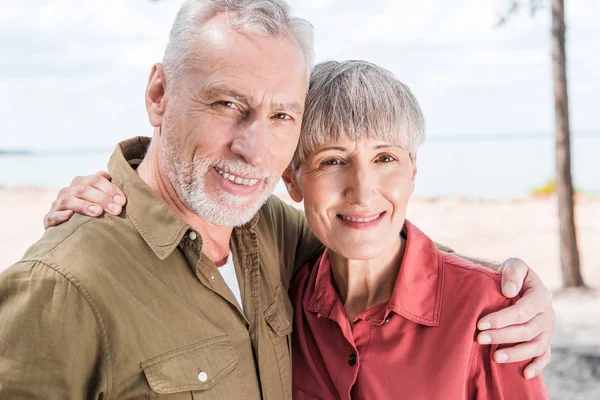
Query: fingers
[(56, 218), (71, 202), (519, 313), (536, 299), (101, 181), (514, 271), (525, 351), (540, 324), (95, 198), (87, 195), (536, 366)]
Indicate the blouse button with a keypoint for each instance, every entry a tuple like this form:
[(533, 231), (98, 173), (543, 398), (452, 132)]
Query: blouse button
[(352, 359)]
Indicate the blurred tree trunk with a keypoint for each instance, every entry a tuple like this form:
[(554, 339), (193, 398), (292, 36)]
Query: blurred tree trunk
[(569, 253)]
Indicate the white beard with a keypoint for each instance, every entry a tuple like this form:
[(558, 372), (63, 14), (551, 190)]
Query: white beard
[(225, 209)]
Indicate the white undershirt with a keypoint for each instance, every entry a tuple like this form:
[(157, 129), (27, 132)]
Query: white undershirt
[(230, 277)]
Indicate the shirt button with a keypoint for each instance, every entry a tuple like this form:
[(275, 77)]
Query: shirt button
[(352, 359), (386, 320), (193, 235), (202, 376)]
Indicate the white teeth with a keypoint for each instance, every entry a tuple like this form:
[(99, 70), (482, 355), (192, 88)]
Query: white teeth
[(359, 219), (236, 179)]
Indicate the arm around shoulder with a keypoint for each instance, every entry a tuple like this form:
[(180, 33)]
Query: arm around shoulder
[(498, 381), (51, 344)]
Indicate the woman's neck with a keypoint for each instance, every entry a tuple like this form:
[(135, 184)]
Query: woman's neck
[(363, 284)]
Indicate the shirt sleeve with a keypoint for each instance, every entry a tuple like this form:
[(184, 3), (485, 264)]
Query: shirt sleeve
[(50, 341), (495, 381), (298, 243)]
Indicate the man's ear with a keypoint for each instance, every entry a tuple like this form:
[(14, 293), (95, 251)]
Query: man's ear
[(156, 95), (291, 184)]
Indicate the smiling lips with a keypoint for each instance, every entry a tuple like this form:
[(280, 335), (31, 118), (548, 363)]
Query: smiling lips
[(353, 219), (238, 180), (361, 221)]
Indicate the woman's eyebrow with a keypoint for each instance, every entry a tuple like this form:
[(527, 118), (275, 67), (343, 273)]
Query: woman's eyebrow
[(324, 149)]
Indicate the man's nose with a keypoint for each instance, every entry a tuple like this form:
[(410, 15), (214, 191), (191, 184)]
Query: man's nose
[(251, 141), (359, 186)]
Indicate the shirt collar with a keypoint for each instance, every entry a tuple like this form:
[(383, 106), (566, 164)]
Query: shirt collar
[(417, 294), (156, 222)]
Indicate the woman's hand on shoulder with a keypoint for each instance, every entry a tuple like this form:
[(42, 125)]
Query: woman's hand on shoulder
[(89, 195)]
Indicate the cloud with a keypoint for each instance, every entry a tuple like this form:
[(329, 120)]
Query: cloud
[(73, 72)]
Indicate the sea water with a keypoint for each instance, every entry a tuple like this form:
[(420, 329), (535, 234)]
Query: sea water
[(460, 165)]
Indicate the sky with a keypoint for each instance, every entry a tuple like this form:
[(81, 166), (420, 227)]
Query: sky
[(73, 72)]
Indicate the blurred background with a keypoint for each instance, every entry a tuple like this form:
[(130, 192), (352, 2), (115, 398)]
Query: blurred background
[(72, 81)]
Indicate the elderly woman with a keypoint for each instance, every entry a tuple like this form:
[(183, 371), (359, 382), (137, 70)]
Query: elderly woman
[(382, 314)]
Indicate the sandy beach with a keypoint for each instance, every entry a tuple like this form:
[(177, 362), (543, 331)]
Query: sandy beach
[(493, 230)]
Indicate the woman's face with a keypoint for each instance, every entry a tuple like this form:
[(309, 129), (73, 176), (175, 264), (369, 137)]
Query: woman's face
[(355, 195)]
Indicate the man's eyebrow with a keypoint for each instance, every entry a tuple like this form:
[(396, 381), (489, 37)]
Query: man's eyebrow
[(293, 107), (215, 90)]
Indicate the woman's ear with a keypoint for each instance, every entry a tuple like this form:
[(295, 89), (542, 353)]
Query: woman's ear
[(414, 160), (291, 184)]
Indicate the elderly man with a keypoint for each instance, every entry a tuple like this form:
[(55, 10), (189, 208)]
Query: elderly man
[(167, 298)]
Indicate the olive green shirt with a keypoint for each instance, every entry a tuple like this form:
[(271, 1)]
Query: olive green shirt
[(128, 306)]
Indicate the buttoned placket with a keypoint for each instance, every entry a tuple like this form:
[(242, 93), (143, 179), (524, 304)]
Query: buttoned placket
[(247, 256), (358, 336), (206, 271)]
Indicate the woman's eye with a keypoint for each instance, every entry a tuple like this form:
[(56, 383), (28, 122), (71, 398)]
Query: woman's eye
[(331, 161), (385, 158)]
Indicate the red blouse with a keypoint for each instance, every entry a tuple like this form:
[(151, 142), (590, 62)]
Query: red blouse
[(421, 344)]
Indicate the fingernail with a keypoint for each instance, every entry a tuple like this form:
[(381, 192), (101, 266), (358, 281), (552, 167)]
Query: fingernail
[(501, 357), (485, 339), (484, 325), (510, 289), (119, 199), (94, 209), (529, 374), (114, 208)]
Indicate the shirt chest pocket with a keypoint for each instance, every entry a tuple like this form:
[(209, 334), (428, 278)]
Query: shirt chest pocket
[(198, 371), (278, 317)]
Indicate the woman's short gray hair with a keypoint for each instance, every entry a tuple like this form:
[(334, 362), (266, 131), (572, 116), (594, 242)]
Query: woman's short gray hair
[(358, 100), (268, 17)]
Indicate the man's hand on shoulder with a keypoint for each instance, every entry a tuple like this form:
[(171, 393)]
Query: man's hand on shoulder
[(530, 322)]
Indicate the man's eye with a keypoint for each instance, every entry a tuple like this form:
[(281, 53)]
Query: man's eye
[(331, 161), (229, 104), (282, 116)]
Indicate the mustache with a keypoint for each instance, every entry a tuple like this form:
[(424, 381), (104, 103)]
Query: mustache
[(241, 168)]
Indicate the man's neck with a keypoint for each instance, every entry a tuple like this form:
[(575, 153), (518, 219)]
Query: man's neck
[(215, 238)]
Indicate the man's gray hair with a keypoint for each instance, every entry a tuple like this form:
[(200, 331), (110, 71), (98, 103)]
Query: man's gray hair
[(358, 100), (267, 17)]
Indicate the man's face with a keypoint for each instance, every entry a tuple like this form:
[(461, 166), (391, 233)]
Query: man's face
[(231, 127)]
